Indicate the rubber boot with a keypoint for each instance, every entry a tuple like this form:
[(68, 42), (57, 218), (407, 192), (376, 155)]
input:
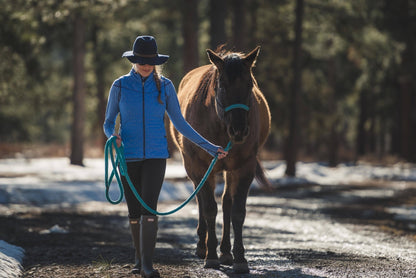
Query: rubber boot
[(148, 234), (135, 234)]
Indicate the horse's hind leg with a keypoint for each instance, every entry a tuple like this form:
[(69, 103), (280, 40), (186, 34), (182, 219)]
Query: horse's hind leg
[(225, 247)]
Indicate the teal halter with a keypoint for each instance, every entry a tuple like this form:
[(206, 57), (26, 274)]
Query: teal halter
[(235, 106)]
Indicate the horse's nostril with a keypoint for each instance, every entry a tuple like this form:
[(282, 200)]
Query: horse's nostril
[(234, 131), (237, 135), (246, 131)]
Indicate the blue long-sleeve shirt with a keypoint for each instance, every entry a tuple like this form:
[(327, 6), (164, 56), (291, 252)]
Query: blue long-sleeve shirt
[(142, 117)]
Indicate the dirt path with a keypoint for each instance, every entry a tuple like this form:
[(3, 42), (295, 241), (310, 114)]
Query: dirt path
[(297, 231)]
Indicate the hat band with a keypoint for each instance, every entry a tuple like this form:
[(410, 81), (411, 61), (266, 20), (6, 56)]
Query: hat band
[(145, 55)]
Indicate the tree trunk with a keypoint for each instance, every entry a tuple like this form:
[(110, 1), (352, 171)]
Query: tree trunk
[(99, 66), (239, 25), (190, 35), (253, 40), (407, 135), (292, 139), (405, 116), (77, 135), (333, 115), (217, 14), (361, 132), (102, 103), (399, 19)]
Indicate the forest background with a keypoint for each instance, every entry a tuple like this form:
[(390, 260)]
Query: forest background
[(339, 75)]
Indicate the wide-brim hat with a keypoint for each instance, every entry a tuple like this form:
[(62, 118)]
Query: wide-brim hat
[(145, 52)]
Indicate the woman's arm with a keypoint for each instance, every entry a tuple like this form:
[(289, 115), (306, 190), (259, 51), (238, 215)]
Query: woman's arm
[(112, 109)]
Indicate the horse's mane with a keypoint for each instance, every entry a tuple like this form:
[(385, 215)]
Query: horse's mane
[(222, 52), (207, 85)]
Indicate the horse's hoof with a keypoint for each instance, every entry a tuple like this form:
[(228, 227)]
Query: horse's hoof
[(226, 259), (240, 268), (212, 263), (200, 252)]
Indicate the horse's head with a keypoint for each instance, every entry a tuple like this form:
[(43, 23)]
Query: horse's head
[(234, 91)]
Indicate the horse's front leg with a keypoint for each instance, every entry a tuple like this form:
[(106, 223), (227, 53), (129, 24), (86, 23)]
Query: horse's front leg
[(225, 247), (240, 185), (206, 200), (196, 174)]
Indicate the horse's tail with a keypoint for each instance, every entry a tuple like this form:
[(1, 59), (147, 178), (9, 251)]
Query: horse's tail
[(261, 177)]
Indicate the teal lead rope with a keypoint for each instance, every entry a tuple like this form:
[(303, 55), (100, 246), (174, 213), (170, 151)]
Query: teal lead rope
[(119, 162)]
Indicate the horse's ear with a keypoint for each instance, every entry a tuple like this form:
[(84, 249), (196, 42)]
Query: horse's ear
[(215, 59), (250, 58)]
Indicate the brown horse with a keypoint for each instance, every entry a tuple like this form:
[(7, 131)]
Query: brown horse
[(222, 102)]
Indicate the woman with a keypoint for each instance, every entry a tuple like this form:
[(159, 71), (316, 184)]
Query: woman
[(141, 98)]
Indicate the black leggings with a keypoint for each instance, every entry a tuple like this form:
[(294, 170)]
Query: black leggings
[(147, 177)]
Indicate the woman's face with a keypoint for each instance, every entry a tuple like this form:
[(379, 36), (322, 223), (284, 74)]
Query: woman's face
[(144, 70)]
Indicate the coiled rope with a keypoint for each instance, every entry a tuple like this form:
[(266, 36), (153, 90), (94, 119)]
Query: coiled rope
[(119, 162)]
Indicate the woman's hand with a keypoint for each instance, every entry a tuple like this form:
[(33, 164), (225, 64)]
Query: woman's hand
[(118, 140), (221, 153)]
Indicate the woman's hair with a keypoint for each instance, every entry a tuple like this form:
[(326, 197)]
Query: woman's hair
[(156, 76)]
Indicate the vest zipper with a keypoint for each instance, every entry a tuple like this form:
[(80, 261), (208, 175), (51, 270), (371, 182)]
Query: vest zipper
[(144, 120)]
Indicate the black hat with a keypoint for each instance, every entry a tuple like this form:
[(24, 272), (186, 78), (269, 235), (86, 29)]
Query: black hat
[(145, 52)]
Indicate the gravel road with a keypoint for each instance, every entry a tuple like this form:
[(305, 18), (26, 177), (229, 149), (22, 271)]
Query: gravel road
[(295, 231)]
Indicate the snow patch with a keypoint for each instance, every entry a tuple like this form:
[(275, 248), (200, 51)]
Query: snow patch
[(11, 258), (55, 229)]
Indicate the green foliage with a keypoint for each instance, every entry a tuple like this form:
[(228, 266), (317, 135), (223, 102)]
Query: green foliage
[(350, 48)]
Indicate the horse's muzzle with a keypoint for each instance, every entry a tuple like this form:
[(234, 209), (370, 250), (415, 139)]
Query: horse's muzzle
[(238, 136)]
